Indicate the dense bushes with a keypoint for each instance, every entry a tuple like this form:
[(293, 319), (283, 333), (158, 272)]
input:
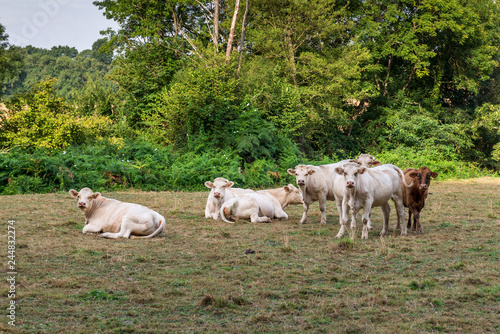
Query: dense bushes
[(107, 165), (41, 119), (138, 164)]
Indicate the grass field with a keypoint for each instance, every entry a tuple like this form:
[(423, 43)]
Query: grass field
[(196, 277)]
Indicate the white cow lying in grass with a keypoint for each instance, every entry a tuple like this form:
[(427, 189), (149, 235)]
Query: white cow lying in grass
[(220, 192), (261, 206), (358, 187), (117, 219)]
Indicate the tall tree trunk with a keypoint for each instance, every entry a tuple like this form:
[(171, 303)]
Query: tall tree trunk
[(242, 39), (231, 33), (386, 82), (216, 25), (291, 49)]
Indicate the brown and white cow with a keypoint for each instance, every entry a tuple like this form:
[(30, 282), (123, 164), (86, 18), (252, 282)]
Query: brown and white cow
[(316, 184), (220, 191), (358, 187), (415, 196), (117, 219), (261, 206)]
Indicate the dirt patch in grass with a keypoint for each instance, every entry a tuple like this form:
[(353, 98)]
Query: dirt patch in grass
[(200, 276)]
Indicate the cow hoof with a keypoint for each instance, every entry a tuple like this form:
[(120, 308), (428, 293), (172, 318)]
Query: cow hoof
[(404, 234), (382, 233), (398, 227), (364, 237), (322, 223)]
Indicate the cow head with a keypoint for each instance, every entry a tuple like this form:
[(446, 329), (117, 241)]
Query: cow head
[(366, 160), (219, 187), (350, 171), (85, 197), (293, 195), (423, 176), (302, 173)]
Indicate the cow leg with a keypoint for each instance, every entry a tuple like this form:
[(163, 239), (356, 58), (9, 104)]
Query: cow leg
[(280, 214), (124, 232), (304, 213), (386, 211), (416, 222), (343, 212), (409, 218), (398, 226), (322, 208), (130, 223), (401, 213), (338, 202), (254, 218), (91, 229), (366, 221)]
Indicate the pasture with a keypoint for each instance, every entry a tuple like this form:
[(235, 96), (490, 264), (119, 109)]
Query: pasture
[(199, 276)]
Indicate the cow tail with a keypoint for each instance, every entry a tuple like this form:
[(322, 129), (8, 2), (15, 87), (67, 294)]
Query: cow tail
[(160, 229), (225, 211), (402, 175)]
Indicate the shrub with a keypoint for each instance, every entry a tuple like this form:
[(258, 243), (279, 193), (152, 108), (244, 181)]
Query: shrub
[(40, 119)]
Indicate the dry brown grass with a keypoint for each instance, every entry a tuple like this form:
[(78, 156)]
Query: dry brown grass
[(197, 277)]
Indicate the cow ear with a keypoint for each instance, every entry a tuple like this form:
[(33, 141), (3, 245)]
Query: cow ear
[(95, 195), (73, 193), (355, 161), (413, 175), (434, 174), (209, 184), (287, 189), (311, 171), (361, 170), (375, 163), (339, 170), (291, 171), (230, 184)]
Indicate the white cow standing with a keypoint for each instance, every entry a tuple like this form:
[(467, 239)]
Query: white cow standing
[(117, 219), (366, 160), (261, 206), (359, 187), (316, 184), (220, 191)]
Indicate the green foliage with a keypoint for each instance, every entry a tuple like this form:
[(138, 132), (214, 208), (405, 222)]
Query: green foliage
[(97, 97), (64, 63), (39, 118), (201, 103), (315, 82), (445, 163), (10, 59)]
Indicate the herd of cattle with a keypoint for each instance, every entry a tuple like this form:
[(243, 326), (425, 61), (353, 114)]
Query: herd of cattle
[(357, 184)]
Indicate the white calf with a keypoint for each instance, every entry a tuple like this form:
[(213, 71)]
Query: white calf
[(316, 184), (364, 188), (261, 206), (220, 192)]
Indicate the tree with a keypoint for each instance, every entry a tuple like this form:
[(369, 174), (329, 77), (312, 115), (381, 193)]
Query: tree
[(433, 50), (42, 119), (10, 59)]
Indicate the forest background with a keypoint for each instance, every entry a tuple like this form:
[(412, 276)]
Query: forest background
[(186, 91)]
